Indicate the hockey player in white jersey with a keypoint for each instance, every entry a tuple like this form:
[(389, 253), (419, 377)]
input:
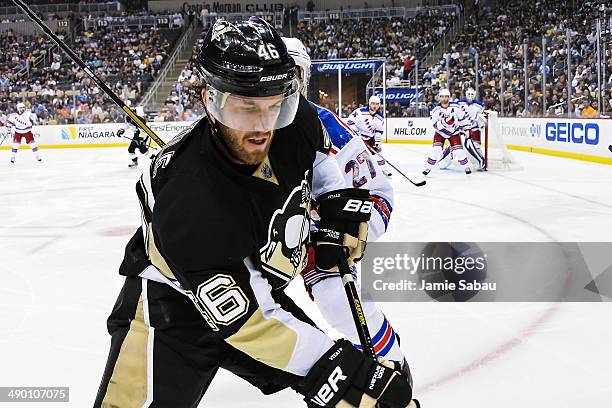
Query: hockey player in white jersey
[(450, 121), (20, 126), (471, 140), (4, 133), (360, 171), (369, 123)]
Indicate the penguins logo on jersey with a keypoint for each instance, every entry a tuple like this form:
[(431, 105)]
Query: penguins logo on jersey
[(285, 253)]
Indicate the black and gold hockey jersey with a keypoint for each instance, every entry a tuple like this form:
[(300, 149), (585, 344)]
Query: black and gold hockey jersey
[(227, 235)]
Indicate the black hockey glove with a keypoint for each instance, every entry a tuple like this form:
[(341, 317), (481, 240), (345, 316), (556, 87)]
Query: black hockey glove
[(344, 216), (346, 377)]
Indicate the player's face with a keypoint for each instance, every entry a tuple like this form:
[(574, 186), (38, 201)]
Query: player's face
[(444, 100), (247, 147), (248, 122), (374, 107), (258, 115), (20, 110)]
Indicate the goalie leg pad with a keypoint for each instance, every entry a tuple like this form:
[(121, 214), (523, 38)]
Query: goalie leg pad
[(473, 152)]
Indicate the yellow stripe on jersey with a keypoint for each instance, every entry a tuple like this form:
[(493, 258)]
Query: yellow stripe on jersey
[(267, 340)]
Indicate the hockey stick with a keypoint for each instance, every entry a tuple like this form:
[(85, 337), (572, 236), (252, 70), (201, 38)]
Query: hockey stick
[(355, 305), (4, 137), (359, 316), (93, 76), (416, 183), (131, 139)]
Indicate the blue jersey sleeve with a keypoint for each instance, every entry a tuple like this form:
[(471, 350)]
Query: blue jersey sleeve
[(339, 133)]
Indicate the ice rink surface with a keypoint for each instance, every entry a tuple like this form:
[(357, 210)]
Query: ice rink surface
[(65, 222)]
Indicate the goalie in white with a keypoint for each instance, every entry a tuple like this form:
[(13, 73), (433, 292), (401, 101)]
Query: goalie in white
[(471, 141), (450, 121)]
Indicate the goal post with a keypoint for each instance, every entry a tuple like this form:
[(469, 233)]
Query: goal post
[(496, 153), (339, 83)]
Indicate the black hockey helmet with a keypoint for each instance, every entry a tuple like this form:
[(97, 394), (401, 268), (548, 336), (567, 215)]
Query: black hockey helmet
[(247, 58), (247, 62)]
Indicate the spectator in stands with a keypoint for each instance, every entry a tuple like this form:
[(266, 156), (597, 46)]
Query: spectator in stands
[(588, 111)]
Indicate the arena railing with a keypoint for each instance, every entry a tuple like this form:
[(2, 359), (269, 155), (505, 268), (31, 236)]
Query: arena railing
[(399, 12), (274, 18), (163, 74), (158, 21)]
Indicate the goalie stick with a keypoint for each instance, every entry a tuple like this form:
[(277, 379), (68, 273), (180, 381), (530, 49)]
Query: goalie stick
[(90, 73)]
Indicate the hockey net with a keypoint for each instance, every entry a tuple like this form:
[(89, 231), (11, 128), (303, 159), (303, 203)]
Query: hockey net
[(496, 153)]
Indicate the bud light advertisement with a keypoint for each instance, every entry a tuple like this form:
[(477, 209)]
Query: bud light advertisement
[(401, 95), (347, 66)]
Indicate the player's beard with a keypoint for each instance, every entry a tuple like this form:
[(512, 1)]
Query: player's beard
[(245, 147)]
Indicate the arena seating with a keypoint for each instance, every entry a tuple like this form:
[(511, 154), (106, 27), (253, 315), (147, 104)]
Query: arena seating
[(59, 92)]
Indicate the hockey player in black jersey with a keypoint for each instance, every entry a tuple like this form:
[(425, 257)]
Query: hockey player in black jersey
[(137, 142), (225, 210)]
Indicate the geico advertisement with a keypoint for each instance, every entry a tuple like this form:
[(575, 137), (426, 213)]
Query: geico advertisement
[(100, 133), (581, 136)]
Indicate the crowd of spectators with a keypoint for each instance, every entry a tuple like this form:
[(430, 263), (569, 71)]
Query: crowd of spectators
[(398, 40), (509, 26), (126, 59), (129, 59)]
